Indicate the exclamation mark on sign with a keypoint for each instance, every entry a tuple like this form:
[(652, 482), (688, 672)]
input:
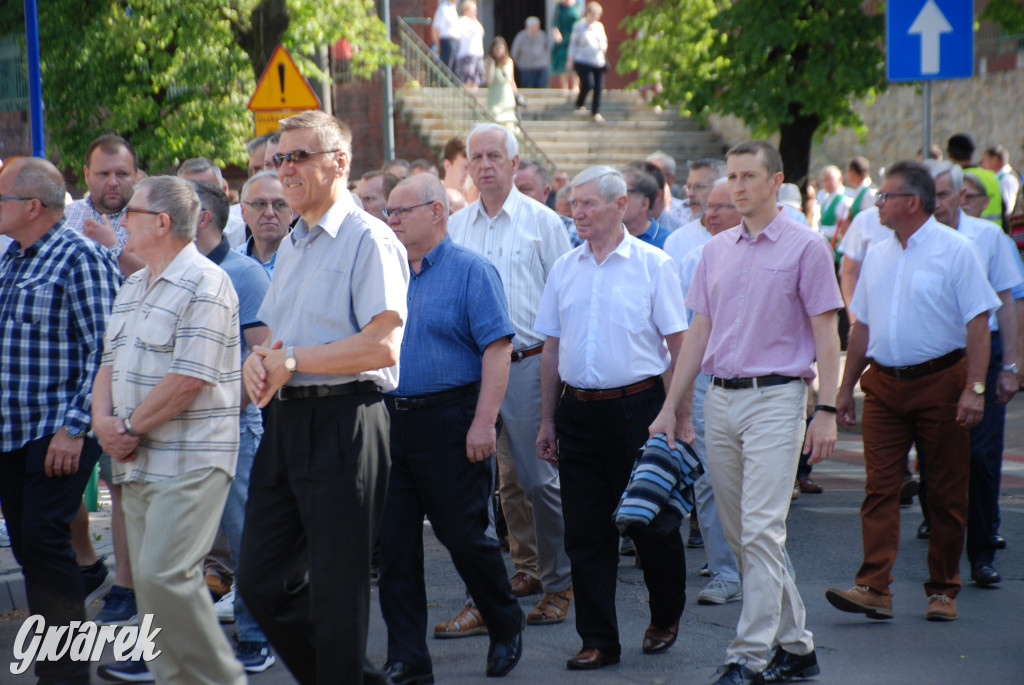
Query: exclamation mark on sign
[(280, 78)]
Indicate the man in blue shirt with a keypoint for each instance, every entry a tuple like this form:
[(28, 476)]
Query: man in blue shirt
[(641, 193), (455, 363), (56, 290)]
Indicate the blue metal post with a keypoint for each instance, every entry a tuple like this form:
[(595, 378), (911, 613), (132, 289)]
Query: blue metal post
[(35, 79)]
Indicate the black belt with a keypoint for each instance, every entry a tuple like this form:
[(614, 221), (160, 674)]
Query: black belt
[(611, 393), (753, 382), (520, 355), (909, 373), (305, 392), (431, 399)]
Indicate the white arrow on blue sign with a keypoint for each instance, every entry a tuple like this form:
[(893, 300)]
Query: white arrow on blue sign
[(929, 39)]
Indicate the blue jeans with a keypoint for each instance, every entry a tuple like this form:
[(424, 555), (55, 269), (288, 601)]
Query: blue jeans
[(233, 520)]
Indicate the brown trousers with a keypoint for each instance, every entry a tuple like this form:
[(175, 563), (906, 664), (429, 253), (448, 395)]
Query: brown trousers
[(896, 412)]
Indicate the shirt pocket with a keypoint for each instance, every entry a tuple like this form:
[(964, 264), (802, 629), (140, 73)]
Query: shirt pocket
[(776, 279), (927, 287), (38, 302), (156, 332), (630, 308)]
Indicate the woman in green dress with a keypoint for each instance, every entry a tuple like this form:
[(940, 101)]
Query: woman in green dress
[(567, 13)]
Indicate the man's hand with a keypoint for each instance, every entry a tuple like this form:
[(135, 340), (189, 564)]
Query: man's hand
[(62, 454), (1007, 385), (114, 438), (263, 376), (665, 422), (970, 408), (547, 442), (101, 231), (481, 440), (846, 408), (821, 437)]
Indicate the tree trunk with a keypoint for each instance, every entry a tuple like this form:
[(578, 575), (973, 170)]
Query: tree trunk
[(267, 24), (795, 143)]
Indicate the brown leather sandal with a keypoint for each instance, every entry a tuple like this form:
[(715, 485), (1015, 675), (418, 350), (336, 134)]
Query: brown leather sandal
[(551, 608), (469, 622)]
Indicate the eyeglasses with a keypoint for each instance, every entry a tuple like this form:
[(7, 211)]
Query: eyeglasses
[(22, 199), (297, 156), (974, 196), (698, 186), (717, 207), (260, 205), (139, 210), (635, 191), (402, 212), (882, 198)]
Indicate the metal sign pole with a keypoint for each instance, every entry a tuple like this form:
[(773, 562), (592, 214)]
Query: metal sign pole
[(927, 93), (389, 105), (35, 79)]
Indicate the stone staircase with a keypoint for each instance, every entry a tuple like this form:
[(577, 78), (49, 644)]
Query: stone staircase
[(573, 141)]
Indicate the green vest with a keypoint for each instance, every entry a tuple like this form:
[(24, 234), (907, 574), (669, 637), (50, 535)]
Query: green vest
[(855, 207), (994, 210)]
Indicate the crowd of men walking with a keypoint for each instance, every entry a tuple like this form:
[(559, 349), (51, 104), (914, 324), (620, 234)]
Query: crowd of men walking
[(283, 389)]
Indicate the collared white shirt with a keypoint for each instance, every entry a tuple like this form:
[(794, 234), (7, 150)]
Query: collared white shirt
[(917, 301), (446, 20), (235, 229), (687, 270), (523, 240), (679, 213), (865, 230), (997, 253), (683, 240), (611, 318)]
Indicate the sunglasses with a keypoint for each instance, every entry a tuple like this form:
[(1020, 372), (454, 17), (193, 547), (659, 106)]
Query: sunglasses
[(297, 156)]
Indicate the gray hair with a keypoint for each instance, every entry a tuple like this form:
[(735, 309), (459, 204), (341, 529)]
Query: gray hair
[(198, 165), (532, 21), (260, 141), (41, 179), (915, 178), (176, 198), (939, 168), (259, 175), (331, 132), (431, 188), (659, 156), (537, 168), (213, 200), (511, 144), (974, 180), (714, 165), (610, 182), (642, 183)]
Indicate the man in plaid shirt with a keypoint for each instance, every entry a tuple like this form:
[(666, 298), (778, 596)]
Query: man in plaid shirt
[(56, 291)]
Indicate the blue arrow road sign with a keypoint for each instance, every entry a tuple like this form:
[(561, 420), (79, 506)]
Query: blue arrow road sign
[(929, 39)]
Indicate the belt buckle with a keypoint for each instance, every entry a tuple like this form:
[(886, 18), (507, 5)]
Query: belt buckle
[(322, 391)]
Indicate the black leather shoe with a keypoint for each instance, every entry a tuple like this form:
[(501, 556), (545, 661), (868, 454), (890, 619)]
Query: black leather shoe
[(502, 657), (736, 674), (984, 574), (998, 541), (924, 531), (785, 666), (590, 658), (401, 673)]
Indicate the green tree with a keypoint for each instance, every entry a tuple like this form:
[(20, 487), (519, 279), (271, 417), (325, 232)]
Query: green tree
[(793, 67), (1008, 14), (174, 76)]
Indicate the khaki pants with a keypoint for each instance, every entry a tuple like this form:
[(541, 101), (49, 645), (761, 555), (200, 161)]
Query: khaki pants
[(170, 526)]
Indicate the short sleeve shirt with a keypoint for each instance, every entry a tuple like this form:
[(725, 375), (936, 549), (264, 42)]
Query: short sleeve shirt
[(330, 280), (611, 318), (185, 323), (760, 294)]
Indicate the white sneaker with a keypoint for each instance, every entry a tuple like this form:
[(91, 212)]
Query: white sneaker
[(225, 607), (720, 591)]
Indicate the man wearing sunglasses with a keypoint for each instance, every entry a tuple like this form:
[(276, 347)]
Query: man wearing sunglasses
[(336, 308), (56, 291)]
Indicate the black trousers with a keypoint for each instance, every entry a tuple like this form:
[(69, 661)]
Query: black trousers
[(431, 475), (316, 494), (597, 445), (591, 78), (39, 510)]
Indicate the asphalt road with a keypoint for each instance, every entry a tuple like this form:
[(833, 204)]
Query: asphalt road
[(986, 645)]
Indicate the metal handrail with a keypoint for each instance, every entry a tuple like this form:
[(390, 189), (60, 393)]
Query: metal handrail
[(446, 94)]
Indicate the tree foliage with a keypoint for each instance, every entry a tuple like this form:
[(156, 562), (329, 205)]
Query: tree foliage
[(1008, 14), (174, 76), (793, 67)]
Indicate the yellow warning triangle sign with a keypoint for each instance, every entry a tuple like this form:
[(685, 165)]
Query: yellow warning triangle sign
[(282, 86)]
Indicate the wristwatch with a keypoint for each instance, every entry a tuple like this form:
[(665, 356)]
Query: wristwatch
[(1012, 368), (977, 388), (290, 362), (127, 421), (75, 433)]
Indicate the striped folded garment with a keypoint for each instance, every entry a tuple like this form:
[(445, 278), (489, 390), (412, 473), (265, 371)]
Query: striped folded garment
[(657, 493)]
